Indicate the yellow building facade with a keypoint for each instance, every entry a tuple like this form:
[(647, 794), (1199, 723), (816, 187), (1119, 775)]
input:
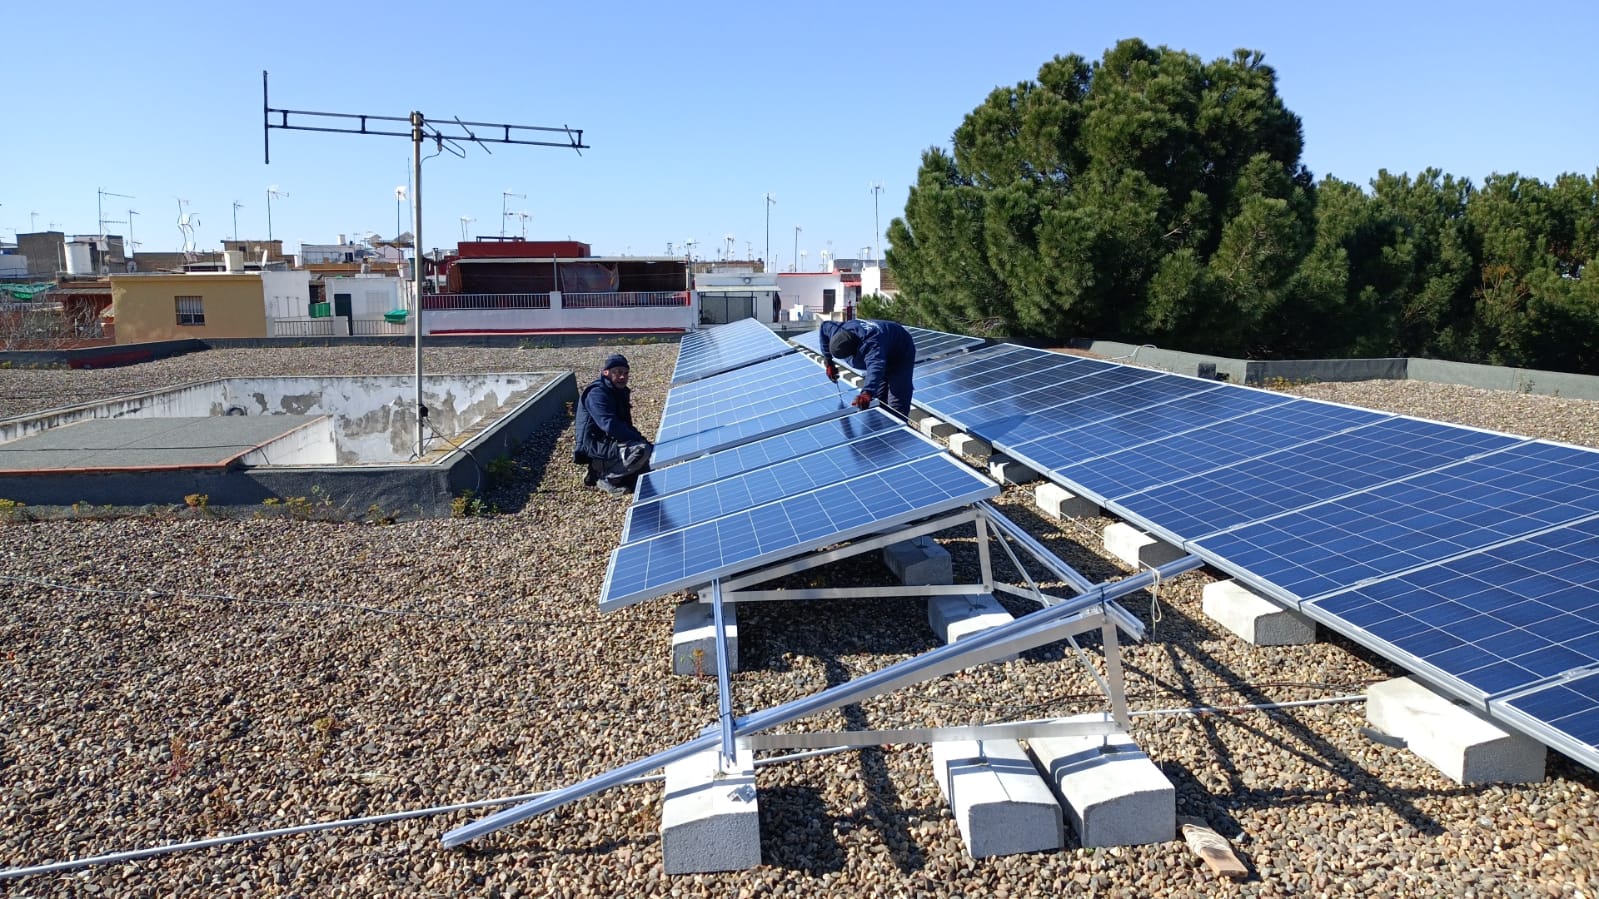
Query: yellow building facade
[(178, 307)]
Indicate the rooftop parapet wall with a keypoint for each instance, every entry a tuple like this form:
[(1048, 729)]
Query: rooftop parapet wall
[(1258, 372)]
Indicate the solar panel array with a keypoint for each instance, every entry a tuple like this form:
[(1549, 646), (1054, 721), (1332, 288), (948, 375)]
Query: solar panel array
[(1464, 555), (930, 345), (712, 351), (745, 404), (752, 505)]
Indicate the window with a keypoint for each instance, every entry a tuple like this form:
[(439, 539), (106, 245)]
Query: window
[(191, 310)]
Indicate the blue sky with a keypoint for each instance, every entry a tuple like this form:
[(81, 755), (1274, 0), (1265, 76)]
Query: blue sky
[(694, 111)]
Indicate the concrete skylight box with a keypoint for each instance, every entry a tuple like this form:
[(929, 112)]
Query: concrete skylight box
[(352, 442)]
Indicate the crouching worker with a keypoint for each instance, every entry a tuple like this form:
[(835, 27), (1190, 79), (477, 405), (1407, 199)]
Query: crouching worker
[(605, 437), (882, 350)]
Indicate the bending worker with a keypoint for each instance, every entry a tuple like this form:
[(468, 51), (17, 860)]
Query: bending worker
[(883, 350), (605, 437)]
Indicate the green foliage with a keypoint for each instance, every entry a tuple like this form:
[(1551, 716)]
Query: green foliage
[(13, 510), (470, 505), (1154, 197)]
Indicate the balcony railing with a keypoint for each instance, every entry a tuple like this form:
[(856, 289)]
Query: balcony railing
[(457, 301), (376, 327), (632, 299)]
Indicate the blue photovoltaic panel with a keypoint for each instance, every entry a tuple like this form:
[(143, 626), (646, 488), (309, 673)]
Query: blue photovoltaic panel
[(773, 482), (695, 555), (724, 348), (1498, 621), (1173, 458), (1564, 713), (989, 376), (930, 345), (1308, 473), (1053, 408), (1406, 524), (751, 378), (1145, 426), (768, 451), (740, 406)]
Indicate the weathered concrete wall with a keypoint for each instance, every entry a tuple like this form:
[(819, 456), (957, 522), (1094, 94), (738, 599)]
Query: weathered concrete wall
[(314, 444), (1520, 380)]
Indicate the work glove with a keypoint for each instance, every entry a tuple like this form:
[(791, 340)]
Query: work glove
[(832, 371), (864, 400)]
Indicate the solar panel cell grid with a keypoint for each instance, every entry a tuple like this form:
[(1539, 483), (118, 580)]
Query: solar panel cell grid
[(774, 482), (694, 555), (725, 347), (771, 450)]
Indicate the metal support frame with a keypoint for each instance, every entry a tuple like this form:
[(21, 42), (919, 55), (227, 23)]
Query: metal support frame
[(855, 548), (1038, 628)]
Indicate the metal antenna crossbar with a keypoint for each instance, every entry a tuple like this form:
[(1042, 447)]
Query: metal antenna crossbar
[(448, 134)]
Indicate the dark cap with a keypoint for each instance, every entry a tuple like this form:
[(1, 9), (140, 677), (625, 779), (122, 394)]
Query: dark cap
[(616, 360), (843, 345)]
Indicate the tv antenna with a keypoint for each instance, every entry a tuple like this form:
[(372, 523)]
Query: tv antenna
[(524, 215), (465, 220), (99, 207), (272, 194), (131, 214), (506, 195), (445, 134), (236, 207), (729, 253), (766, 261), (187, 222)]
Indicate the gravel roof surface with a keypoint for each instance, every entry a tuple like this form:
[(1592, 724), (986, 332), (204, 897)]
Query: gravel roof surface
[(174, 677)]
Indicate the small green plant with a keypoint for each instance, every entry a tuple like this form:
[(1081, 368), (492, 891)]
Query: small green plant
[(376, 515), (470, 505), (199, 502), (13, 510), (502, 468)]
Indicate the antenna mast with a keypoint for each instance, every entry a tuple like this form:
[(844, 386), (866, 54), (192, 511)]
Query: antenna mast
[(446, 135)]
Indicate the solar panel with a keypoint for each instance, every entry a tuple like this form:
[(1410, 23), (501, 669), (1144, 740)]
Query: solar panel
[(1417, 521), (772, 482), (1309, 472), (725, 347), (1499, 621), (769, 451), (1564, 714), (736, 407), (1179, 455), (930, 345), (794, 524)]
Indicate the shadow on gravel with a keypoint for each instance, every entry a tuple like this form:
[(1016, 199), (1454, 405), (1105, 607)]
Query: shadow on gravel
[(508, 488), (795, 831), (1301, 742)]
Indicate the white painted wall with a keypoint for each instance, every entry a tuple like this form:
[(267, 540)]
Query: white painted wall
[(439, 321), (287, 294)]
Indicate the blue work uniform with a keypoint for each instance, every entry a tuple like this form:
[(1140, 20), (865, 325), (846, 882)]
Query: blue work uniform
[(605, 434), (886, 356)]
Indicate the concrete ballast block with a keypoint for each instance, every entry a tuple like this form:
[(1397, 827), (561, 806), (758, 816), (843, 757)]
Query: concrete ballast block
[(955, 617), (1001, 803), (964, 444), (1451, 737), (1113, 793), (1008, 471), (1057, 501), (1137, 548), (919, 562), (935, 428), (711, 820), (694, 630), (1254, 617)]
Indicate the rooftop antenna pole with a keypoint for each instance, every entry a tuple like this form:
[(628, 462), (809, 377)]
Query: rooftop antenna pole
[(272, 191), (236, 207), (131, 214), (877, 226), (797, 230), (506, 195), (766, 261), (446, 134), (99, 206)]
